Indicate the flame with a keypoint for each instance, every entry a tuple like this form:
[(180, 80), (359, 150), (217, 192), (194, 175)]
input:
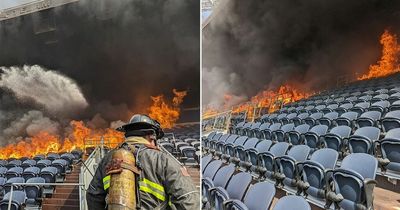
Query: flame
[(79, 138), (389, 62), (166, 113)]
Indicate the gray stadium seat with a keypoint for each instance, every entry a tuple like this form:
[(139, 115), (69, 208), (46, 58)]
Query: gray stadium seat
[(295, 136), (363, 140), (369, 118), (390, 121), (336, 137), (258, 197), (266, 160), (312, 137), (292, 202), (18, 198)]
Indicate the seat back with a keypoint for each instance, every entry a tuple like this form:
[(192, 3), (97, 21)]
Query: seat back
[(292, 202), (260, 196)]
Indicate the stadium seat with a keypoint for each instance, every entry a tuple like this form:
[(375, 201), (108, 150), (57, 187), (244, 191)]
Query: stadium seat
[(360, 107), (329, 119), (329, 108), (205, 160), (254, 129), (49, 174), (313, 118), (188, 153), (292, 202), (220, 146), (53, 156), (288, 119), (61, 166), (344, 108), (298, 120), (14, 172), (258, 197), (295, 136), (395, 106), (13, 163), (369, 118), (336, 137), (252, 154), (14, 180), (354, 182), (235, 189), (266, 160), (390, 149), (18, 198), (30, 172), (390, 121), (267, 133), (3, 171), (312, 137), (28, 163), (363, 140), (43, 163), (221, 179), (380, 106), (280, 134), (314, 174), (286, 173), (347, 119), (229, 147), (34, 193), (39, 157), (240, 150)]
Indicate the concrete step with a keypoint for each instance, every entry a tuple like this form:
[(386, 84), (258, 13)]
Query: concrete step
[(66, 195)]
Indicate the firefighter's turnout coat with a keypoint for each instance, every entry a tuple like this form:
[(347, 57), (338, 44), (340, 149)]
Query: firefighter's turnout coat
[(163, 183)]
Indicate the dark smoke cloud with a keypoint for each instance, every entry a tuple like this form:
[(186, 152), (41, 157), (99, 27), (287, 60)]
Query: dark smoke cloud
[(252, 45), (118, 52)]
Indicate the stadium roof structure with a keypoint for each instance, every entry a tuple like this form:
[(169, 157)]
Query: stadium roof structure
[(15, 8)]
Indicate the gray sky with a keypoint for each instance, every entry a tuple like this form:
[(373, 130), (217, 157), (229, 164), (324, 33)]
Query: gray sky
[(4, 4)]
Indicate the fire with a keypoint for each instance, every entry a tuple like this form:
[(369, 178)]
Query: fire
[(166, 113), (79, 138), (271, 100), (389, 62)]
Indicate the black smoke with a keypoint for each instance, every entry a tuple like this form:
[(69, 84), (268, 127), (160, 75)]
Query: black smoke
[(118, 52), (253, 45)]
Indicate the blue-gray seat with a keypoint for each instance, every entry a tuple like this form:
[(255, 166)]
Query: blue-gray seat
[(259, 132), (312, 137), (240, 150), (347, 119), (39, 157), (168, 146), (369, 118), (364, 98), (395, 106), (292, 202), (43, 163), (53, 156), (329, 119), (318, 108), (49, 174), (344, 108), (363, 140), (394, 97), (390, 149), (390, 121), (280, 134), (286, 172), (13, 163), (60, 164), (14, 172), (288, 119), (252, 154), (229, 147), (77, 154), (314, 177), (380, 106), (18, 198), (34, 192), (2, 183), (298, 120), (254, 129), (267, 133), (361, 107), (380, 97), (221, 179), (207, 139), (295, 136), (30, 172), (246, 129), (28, 163), (354, 182), (216, 146), (14, 180), (205, 160), (329, 108), (258, 197), (266, 160), (313, 118), (3, 171), (336, 137), (209, 173), (3, 163), (69, 157), (236, 189)]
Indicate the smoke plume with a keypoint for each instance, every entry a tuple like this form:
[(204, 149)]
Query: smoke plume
[(249, 46)]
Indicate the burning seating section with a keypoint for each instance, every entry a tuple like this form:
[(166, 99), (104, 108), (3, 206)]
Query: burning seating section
[(41, 169), (327, 150), (184, 144)]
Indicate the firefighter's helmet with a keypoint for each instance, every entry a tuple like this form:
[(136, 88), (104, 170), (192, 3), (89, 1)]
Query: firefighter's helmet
[(142, 124)]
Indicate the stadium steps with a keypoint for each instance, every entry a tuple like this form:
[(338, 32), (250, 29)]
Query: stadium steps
[(65, 197)]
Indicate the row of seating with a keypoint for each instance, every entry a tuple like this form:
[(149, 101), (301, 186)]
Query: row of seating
[(294, 168)]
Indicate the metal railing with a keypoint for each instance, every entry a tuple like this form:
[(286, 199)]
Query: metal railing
[(36, 184)]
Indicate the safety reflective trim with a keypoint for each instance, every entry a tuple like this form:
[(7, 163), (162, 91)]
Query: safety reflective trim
[(106, 182), (153, 184), (152, 192)]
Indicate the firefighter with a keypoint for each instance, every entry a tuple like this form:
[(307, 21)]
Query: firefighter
[(161, 181)]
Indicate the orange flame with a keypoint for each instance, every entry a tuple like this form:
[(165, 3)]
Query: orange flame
[(389, 62), (165, 113), (43, 142)]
